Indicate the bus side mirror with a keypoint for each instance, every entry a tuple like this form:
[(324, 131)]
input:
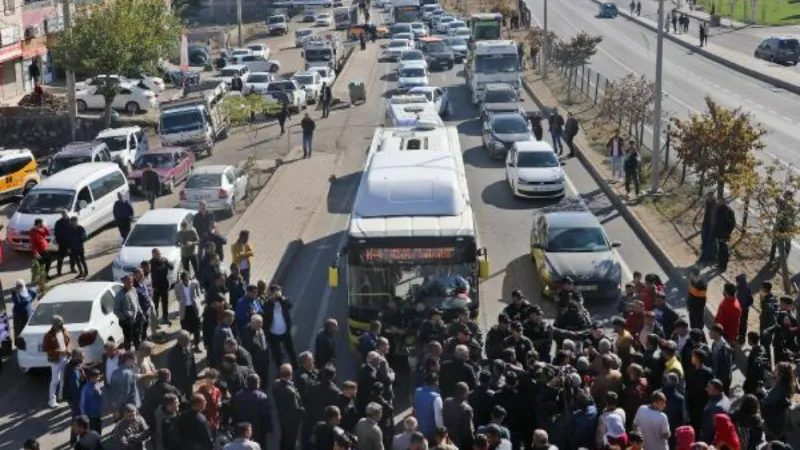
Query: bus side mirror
[(333, 276)]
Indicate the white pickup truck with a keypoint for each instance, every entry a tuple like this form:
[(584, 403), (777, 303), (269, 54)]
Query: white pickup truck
[(279, 90)]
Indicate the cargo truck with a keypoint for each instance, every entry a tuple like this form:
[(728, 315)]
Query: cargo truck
[(197, 119)]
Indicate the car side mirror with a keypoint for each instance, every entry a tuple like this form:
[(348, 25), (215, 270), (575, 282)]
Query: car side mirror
[(616, 244), (82, 205)]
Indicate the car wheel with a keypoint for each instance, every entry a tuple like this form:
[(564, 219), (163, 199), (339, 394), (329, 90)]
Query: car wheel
[(81, 105), (274, 68), (132, 107), (28, 186)]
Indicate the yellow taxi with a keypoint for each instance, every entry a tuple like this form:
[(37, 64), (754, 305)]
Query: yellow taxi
[(19, 172)]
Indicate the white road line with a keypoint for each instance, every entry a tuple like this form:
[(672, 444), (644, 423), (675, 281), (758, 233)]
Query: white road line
[(627, 275)]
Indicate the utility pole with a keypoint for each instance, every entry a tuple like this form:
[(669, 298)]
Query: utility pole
[(239, 21), (546, 49), (71, 108), (655, 173)]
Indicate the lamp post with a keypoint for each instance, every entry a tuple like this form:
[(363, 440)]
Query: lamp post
[(655, 174)]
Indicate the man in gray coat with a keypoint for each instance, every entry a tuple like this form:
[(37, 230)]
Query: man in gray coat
[(457, 416), (370, 436), (129, 313), (123, 389)]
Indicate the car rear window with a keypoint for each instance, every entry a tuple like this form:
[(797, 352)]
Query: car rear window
[(71, 312), (204, 180), (790, 44)]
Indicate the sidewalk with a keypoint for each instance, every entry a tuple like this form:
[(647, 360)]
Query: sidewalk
[(354, 70), (776, 75)]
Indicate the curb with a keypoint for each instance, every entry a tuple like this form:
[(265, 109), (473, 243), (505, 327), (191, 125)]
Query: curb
[(791, 87), (676, 275)]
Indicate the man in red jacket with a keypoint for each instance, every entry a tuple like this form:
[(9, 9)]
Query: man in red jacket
[(38, 236), (729, 312)]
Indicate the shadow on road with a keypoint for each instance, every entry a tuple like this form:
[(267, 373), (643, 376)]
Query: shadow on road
[(476, 157), (340, 192)]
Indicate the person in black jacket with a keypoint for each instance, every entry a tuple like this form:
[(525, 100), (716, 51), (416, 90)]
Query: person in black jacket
[(150, 185), (696, 395), (723, 228), (159, 277), (279, 332), (290, 405), (757, 364), (322, 394), (252, 405), (76, 237), (193, 426), (326, 431), (348, 406), (232, 376), (556, 123), (631, 167), (457, 370), (325, 99), (325, 343), (203, 222), (708, 247), (154, 396), (181, 364), (570, 132), (519, 306), (482, 400), (123, 215), (665, 314), (367, 377), (85, 439), (496, 336), (60, 230)]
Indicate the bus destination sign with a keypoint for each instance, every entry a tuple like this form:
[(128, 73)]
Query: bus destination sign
[(407, 255)]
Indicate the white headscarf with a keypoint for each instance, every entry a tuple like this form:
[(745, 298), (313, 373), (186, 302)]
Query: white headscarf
[(22, 289)]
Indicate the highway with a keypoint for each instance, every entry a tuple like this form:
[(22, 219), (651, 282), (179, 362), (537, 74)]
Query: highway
[(503, 223), (687, 77)]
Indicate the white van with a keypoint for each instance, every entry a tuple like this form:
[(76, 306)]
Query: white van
[(87, 191)]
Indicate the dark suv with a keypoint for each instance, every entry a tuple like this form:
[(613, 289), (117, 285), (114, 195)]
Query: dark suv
[(437, 53), (780, 50)]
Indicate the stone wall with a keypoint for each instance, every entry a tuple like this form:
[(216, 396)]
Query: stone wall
[(42, 130)]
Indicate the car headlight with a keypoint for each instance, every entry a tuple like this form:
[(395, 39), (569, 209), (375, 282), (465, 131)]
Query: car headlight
[(521, 180), (12, 231)]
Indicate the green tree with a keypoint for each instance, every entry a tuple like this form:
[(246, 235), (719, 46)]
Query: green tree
[(575, 53), (120, 37), (718, 143)]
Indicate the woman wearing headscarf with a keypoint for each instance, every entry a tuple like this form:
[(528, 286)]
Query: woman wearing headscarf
[(776, 403), (684, 437), (749, 424), (725, 436), (23, 298)]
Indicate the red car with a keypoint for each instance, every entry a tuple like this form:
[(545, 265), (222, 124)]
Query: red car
[(173, 165)]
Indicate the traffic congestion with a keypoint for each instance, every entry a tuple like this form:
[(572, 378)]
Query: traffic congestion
[(465, 285)]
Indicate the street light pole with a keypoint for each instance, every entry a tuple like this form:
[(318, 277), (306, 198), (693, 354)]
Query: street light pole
[(655, 173), (71, 108), (239, 21), (546, 49)]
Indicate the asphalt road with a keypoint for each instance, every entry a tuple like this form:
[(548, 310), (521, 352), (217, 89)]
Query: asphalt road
[(503, 223)]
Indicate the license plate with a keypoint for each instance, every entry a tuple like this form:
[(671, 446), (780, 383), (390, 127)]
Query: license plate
[(202, 197), (25, 245), (586, 288)]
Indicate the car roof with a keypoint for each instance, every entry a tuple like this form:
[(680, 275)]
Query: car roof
[(156, 151), (75, 175), (163, 216), (505, 115), (6, 153), (213, 169), (568, 212), (79, 148), (306, 73), (76, 292), (423, 89), (533, 146), (124, 131), (414, 64), (234, 67)]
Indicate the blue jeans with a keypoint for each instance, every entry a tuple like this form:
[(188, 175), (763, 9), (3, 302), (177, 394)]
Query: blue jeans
[(558, 146), (307, 145)]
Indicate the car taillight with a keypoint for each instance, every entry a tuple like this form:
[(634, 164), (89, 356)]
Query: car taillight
[(86, 339), (183, 195), (21, 345), (223, 193)]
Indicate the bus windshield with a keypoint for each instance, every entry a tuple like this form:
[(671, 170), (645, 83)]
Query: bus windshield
[(486, 30), (436, 285), (496, 63)]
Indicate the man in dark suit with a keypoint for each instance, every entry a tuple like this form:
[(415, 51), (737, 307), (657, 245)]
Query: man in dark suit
[(243, 357), (457, 416), (154, 397), (85, 439), (290, 405), (254, 339), (193, 426), (325, 344), (252, 405), (456, 371), (306, 378), (323, 394), (367, 377), (181, 364), (279, 332)]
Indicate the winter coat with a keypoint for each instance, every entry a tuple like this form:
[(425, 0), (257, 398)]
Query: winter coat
[(729, 315), (725, 433)]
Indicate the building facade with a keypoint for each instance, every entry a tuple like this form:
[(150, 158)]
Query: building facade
[(11, 72)]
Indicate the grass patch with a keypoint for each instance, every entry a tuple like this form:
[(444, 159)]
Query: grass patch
[(770, 12)]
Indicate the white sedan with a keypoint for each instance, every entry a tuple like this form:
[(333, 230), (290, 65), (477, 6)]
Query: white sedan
[(439, 97), (88, 312), (311, 82), (256, 82), (323, 20), (414, 57), (157, 228), (153, 83), (220, 187), (412, 75), (130, 98), (325, 73), (395, 48), (259, 50)]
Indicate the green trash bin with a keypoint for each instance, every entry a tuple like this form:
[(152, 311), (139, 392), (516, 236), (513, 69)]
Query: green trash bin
[(358, 92)]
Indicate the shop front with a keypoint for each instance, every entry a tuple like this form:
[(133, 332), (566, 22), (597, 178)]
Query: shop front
[(35, 49), (11, 74)]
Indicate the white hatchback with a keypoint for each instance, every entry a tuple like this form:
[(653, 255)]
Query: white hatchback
[(220, 187), (157, 228), (88, 312), (130, 98), (533, 170)]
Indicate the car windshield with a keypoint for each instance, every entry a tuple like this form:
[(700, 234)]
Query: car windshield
[(463, 32), (71, 312), (402, 28), (204, 180), (412, 56), (457, 42), (397, 44), (417, 26), (307, 80), (158, 160), (255, 48), (576, 240), (46, 202), (510, 125), (241, 52), (276, 19), (456, 24), (229, 72), (537, 159), (500, 96), (152, 235), (177, 122), (436, 47), (322, 54), (413, 72), (497, 63), (65, 162), (301, 33), (323, 71), (115, 143), (427, 93), (281, 86), (259, 78)]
